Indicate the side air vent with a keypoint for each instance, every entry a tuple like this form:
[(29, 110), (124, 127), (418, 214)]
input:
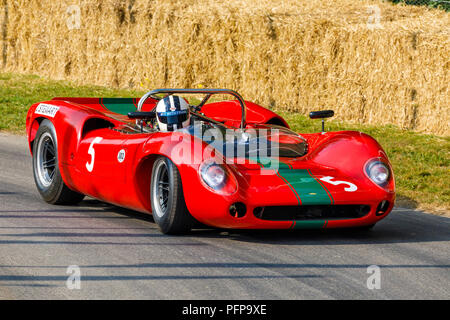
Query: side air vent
[(94, 124)]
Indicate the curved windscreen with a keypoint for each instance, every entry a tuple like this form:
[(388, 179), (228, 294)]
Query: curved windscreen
[(259, 142)]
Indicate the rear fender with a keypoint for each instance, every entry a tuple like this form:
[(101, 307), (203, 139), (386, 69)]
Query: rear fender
[(230, 113), (69, 122)]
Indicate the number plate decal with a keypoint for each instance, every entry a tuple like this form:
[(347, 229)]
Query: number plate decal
[(46, 110)]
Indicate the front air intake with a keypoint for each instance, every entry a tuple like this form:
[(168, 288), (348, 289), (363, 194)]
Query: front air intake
[(382, 207), (238, 210), (311, 212)]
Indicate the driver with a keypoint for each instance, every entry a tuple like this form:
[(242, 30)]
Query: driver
[(172, 113)]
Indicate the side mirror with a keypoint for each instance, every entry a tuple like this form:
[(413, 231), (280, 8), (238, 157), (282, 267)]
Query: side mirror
[(142, 115), (321, 115)]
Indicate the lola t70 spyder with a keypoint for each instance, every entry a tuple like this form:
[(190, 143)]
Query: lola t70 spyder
[(227, 164)]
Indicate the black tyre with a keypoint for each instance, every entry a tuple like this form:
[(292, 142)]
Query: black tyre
[(46, 170), (167, 199)]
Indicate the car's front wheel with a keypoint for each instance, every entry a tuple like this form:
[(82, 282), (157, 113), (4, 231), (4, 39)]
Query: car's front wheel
[(168, 206), (46, 170)]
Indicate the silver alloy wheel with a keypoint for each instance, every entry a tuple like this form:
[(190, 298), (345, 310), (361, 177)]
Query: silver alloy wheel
[(46, 159), (161, 192)]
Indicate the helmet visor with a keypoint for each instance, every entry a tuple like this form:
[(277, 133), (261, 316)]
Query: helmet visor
[(173, 117)]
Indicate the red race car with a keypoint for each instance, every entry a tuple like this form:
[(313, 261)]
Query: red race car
[(227, 164)]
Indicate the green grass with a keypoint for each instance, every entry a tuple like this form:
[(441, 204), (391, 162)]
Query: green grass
[(19, 92), (421, 162), (440, 4)]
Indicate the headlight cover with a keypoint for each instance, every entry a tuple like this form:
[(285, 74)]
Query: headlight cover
[(379, 172), (218, 177)]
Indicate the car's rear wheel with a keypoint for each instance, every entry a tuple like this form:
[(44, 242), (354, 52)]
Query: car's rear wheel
[(167, 199), (46, 170)]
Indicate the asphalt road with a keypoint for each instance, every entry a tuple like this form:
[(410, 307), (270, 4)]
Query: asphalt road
[(122, 255)]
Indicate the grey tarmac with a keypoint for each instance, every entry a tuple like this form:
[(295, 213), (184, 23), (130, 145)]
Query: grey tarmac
[(122, 255)]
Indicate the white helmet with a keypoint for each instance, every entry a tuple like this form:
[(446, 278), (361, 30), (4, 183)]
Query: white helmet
[(172, 113)]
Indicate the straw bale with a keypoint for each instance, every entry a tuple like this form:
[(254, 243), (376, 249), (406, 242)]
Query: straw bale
[(285, 54)]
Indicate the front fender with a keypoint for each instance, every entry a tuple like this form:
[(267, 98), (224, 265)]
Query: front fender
[(348, 152), (187, 153)]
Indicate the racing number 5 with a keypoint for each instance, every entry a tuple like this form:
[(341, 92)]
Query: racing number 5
[(351, 187), (91, 151)]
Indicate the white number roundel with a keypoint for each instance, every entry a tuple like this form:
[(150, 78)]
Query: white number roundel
[(121, 156)]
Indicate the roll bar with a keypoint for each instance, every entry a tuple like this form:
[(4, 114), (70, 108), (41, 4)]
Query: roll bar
[(208, 92)]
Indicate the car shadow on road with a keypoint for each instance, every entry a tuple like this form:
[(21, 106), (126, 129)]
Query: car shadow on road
[(396, 229), (401, 226)]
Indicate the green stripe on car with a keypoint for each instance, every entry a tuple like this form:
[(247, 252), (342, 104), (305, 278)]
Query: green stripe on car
[(306, 188), (309, 224), (119, 105)]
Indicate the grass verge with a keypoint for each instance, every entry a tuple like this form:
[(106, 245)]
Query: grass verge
[(18, 92), (421, 161)]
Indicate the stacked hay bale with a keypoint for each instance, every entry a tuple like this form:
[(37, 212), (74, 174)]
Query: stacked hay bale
[(370, 61)]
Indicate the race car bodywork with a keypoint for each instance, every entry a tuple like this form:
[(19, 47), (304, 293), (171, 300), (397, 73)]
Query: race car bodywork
[(110, 149)]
